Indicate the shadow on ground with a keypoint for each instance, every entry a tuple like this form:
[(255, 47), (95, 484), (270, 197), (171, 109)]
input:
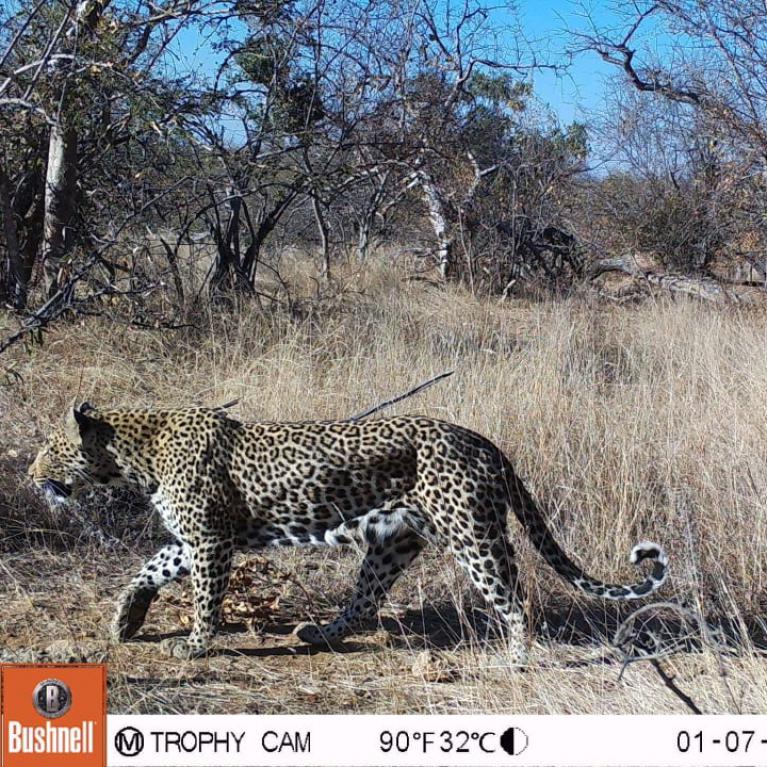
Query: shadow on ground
[(446, 627)]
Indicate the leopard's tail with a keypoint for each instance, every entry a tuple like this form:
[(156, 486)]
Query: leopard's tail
[(532, 520)]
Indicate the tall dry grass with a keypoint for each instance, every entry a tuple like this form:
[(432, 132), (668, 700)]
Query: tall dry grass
[(634, 423)]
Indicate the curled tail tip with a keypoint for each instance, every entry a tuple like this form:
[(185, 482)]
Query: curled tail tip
[(656, 553), (649, 550)]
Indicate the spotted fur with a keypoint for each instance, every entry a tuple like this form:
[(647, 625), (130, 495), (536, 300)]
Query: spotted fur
[(390, 485)]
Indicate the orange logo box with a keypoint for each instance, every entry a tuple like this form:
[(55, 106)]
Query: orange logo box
[(53, 715)]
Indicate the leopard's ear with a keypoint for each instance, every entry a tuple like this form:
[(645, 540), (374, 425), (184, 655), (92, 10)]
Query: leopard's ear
[(77, 423)]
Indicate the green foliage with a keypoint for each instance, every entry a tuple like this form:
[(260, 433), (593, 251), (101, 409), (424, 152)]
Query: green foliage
[(261, 13), (257, 59), (572, 141), (298, 107), (502, 91), (276, 59)]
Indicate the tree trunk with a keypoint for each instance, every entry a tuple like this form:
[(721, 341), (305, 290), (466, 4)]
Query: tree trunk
[(322, 228), (31, 216), (171, 253), (233, 225), (440, 227), (60, 191), (365, 224), (61, 176), (229, 273), (17, 276), (250, 259), (367, 218), (221, 280)]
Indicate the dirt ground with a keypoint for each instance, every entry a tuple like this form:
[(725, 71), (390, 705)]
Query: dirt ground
[(427, 655)]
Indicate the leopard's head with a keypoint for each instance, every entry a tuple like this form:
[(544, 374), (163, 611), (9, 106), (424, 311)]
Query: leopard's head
[(75, 456)]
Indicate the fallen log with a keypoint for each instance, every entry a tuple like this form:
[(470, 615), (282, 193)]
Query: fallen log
[(644, 267)]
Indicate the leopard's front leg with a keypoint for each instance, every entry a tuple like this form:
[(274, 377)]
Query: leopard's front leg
[(170, 563), (211, 560)]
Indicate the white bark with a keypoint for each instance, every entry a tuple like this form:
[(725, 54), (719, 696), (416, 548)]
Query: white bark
[(322, 229), (61, 174), (60, 190), (439, 224)]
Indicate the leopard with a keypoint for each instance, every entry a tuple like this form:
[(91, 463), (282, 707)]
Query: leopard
[(389, 485)]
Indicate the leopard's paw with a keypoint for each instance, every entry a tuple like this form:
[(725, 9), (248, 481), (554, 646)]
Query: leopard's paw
[(183, 648)]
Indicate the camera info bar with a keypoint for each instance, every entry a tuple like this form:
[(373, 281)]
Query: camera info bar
[(468, 741)]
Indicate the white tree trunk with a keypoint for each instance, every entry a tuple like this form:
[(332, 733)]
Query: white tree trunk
[(439, 225), (61, 175), (322, 230), (363, 239), (60, 191)]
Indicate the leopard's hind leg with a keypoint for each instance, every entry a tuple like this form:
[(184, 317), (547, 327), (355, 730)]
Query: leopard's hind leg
[(391, 545), (476, 534), (491, 565)]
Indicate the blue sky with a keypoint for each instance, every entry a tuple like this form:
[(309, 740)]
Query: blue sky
[(579, 93)]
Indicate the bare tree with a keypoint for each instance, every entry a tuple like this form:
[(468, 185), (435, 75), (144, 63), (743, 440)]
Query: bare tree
[(69, 73), (718, 66), (320, 118), (707, 122)]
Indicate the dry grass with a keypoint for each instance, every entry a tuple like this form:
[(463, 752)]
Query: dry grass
[(628, 423)]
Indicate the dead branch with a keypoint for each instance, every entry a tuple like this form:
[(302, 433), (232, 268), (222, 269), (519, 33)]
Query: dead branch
[(669, 682), (57, 305), (635, 645), (375, 408), (400, 397), (644, 268)]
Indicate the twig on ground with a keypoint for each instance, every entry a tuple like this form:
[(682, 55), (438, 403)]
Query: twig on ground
[(634, 647), (668, 680)]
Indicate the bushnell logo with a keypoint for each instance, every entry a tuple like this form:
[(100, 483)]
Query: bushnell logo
[(52, 698), (53, 715)]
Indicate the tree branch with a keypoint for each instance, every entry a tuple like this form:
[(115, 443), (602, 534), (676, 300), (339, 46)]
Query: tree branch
[(400, 397)]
